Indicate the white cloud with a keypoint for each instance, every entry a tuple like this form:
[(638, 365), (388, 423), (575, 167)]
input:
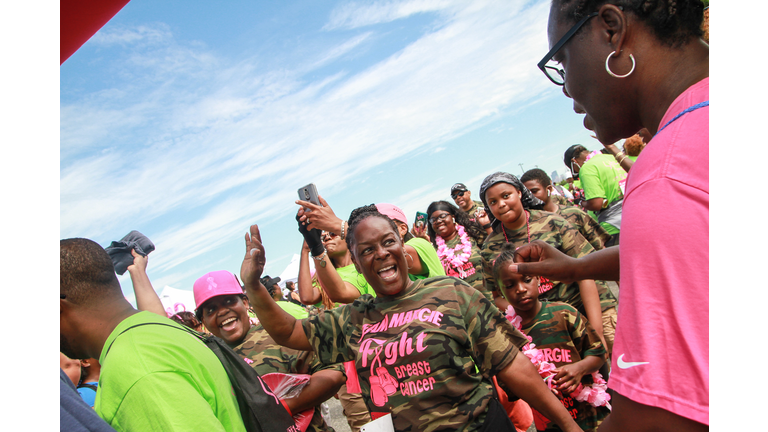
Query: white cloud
[(218, 144), (354, 15), (153, 33)]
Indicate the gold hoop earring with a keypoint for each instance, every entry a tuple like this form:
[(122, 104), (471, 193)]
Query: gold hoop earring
[(409, 257), (610, 72)]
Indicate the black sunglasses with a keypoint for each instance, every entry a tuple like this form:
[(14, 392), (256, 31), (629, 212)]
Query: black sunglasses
[(457, 194), (440, 218), (557, 74)]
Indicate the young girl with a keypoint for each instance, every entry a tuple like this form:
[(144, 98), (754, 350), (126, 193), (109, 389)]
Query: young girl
[(517, 219), (564, 339)]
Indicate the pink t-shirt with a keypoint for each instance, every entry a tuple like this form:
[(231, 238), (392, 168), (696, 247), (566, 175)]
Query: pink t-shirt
[(661, 349)]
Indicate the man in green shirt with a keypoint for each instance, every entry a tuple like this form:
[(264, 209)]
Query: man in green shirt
[(603, 180), (153, 376)]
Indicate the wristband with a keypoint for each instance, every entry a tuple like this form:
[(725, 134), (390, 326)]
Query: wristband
[(342, 230), (486, 226)]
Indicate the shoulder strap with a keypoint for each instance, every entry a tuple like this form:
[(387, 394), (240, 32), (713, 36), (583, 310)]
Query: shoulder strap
[(190, 331)]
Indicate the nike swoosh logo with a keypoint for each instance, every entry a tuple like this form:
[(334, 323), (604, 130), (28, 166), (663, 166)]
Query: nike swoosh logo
[(626, 365)]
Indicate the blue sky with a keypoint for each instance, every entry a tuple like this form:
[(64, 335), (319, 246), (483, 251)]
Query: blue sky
[(189, 121)]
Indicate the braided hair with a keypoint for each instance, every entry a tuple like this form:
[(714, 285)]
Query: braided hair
[(360, 214), (507, 255), (673, 22), (473, 229)]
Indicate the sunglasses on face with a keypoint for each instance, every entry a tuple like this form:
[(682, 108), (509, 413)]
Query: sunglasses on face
[(440, 218), (327, 236), (457, 194)]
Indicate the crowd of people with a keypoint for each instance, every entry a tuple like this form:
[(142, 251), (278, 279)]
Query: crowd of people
[(496, 314)]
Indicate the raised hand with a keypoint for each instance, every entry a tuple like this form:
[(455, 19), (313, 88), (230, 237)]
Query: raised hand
[(319, 217), (255, 258), (139, 262)]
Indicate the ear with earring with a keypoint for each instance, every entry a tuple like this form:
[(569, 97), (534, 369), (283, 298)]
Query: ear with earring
[(408, 257)]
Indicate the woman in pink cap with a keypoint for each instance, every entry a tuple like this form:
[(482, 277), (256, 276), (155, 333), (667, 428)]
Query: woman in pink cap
[(223, 308)]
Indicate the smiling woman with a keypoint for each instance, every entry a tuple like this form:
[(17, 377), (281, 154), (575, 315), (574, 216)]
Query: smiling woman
[(223, 309), (423, 350), (458, 241)]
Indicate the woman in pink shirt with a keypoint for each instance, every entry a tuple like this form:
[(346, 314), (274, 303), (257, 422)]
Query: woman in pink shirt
[(628, 65)]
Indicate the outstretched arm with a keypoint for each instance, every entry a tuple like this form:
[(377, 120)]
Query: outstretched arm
[(522, 379), (284, 329), (337, 289), (308, 294), (146, 297), (540, 259)]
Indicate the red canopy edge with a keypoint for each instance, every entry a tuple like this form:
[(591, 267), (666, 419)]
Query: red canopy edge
[(81, 19)]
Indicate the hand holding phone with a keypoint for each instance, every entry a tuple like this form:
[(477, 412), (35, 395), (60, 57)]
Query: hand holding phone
[(309, 193)]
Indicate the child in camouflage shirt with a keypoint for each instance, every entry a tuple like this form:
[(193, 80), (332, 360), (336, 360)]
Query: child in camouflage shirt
[(563, 337)]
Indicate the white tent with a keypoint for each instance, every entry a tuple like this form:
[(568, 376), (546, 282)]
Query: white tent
[(291, 272), (177, 300)]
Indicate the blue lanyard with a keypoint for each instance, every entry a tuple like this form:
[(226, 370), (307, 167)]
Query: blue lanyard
[(686, 111)]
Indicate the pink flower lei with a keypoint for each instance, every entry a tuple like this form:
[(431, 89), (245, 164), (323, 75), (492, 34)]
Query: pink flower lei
[(595, 394), (448, 256)]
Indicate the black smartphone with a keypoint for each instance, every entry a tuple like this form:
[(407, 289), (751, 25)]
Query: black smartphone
[(421, 219), (309, 193)]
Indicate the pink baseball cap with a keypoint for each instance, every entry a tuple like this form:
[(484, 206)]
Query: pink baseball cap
[(394, 212), (214, 284)]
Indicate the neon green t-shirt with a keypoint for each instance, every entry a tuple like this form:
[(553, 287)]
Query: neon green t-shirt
[(159, 378), (601, 176), (293, 309), (350, 274), (429, 258)]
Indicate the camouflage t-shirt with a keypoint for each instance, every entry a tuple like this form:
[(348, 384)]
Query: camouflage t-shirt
[(475, 205), (418, 354), (595, 234), (563, 201), (473, 268), (564, 336), (266, 356), (552, 229)]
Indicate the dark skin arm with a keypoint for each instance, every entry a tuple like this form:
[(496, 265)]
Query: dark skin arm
[(284, 329), (322, 386), (622, 158), (540, 259), (595, 204), (630, 416), (308, 294), (522, 379), (146, 297)]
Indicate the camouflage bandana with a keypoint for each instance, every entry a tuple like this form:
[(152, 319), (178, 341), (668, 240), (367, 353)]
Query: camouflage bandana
[(529, 201)]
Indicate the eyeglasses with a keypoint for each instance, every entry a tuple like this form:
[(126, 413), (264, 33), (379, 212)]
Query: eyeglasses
[(440, 218), (327, 236), (457, 194), (553, 72)]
